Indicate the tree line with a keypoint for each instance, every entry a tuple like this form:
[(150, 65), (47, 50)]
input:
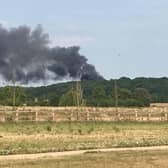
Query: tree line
[(138, 92)]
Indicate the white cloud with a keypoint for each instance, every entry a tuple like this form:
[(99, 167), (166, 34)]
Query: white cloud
[(4, 23)]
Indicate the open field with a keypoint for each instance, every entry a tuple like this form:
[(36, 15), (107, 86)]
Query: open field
[(122, 159), (36, 137)]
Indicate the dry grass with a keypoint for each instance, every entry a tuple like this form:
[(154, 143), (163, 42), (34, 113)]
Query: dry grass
[(46, 136), (139, 159)]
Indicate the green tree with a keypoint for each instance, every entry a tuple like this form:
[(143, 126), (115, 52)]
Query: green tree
[(143, 96), (99, 97), (20, 96), (6, 96), (66, 99)]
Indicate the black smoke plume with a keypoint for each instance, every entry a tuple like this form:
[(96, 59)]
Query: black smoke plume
[(26, 56)]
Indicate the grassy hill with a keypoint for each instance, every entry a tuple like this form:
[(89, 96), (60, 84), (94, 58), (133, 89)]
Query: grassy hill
[(131, 92)]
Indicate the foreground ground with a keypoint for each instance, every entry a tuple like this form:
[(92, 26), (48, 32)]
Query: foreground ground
[(35, 137), (120, 159)]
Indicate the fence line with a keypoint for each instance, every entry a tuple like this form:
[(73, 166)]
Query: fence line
[(83, 114)]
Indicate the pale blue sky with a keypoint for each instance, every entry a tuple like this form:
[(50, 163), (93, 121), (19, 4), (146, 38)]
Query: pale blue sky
[(120, 37)]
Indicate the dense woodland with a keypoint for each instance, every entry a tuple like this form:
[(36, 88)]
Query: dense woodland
[(125, 92)]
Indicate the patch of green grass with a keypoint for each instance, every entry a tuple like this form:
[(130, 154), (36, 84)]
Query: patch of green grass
[(35, 137), (69, 127)]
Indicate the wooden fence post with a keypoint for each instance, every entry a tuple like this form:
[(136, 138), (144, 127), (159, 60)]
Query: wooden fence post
[(36, 116), (149, 116), (53, 116), (3, 118), (71, 115), (87, 115), (136, 115), (166, 117), (17, 116), (118, 115)]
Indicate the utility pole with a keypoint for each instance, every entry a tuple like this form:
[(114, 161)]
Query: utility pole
[(116, 93), (116, 98), (79, 93), (14, 91), (79, 97)]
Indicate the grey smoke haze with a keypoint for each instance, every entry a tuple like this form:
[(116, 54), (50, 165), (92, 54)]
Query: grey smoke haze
[(26, 55)]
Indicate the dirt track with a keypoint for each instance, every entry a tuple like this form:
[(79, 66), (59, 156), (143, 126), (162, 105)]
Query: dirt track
[(72, 153)]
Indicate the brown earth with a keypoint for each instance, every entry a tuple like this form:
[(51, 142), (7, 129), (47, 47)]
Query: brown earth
[(73, 153)]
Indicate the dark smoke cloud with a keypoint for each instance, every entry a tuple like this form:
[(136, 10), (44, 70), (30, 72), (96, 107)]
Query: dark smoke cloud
[(26, 56)]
